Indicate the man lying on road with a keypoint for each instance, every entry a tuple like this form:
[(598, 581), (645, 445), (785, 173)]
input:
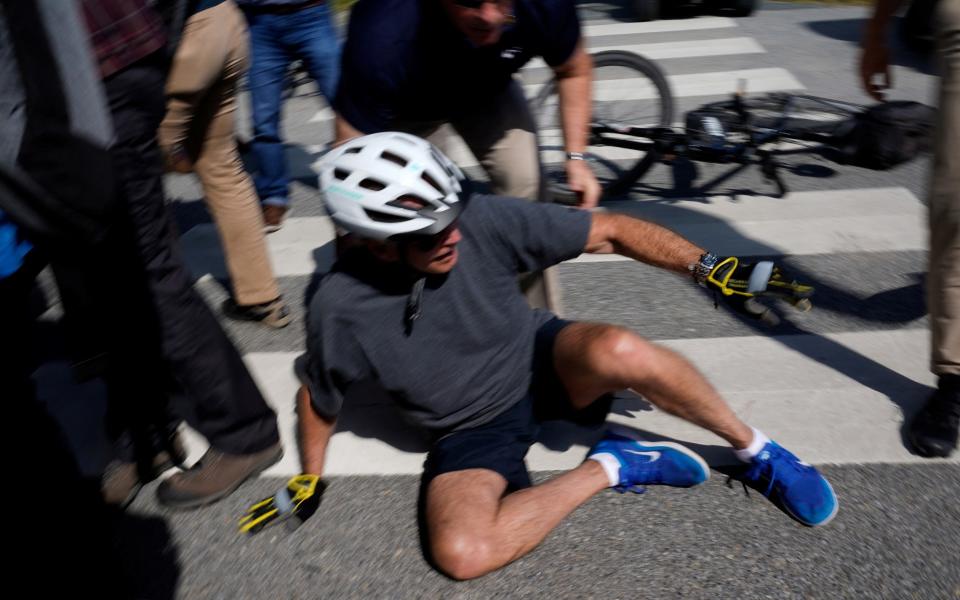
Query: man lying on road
[(429, 307)]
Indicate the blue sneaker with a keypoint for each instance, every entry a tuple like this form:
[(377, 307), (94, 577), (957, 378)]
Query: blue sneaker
[(651, 463), (792, 484)]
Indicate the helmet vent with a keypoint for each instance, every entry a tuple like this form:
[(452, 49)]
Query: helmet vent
[(432, 182), (372, 184), (384, 217), (353, 150), (394, 158), (341, 174)]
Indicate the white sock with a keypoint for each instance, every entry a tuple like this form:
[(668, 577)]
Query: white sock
[(759, 441), (610, 464)]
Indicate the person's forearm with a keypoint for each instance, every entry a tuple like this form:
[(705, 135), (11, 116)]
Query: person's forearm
[(176, 124), (574, 87), (883, 11), (343, 131), (642, 241), (315, 434)]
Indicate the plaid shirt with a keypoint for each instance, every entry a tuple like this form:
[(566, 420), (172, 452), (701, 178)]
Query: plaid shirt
[(122, 32)]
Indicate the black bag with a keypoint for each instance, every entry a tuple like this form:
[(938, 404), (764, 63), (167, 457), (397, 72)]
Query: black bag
[(887, 134)]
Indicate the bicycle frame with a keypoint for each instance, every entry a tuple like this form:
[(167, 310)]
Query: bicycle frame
[(671, 144)]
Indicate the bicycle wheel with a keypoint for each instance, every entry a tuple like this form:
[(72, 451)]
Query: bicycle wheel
[(628, 90)]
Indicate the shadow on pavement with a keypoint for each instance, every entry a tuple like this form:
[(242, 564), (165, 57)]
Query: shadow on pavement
[(718, 457), (300, 165), (146, 556), (75, 542), (900, 305), (851, 30)]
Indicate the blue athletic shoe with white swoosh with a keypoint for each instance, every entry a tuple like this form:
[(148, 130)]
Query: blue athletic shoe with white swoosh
[(651, 463), (792, 484)]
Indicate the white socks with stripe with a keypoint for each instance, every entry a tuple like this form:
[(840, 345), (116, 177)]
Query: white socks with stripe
[(610, 464), (759, 441)]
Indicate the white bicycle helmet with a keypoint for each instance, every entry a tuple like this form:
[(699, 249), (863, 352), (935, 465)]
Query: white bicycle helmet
[(364, 179)]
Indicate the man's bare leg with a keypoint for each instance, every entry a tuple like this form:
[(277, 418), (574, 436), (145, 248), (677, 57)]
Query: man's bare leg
[(593, 359), (474, 529)]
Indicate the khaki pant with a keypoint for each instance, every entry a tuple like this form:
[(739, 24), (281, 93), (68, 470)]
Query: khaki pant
[(503, 138), (943, 282), (201, 104)]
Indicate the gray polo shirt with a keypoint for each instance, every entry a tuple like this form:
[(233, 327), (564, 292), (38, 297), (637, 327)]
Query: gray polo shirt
[(468, 357)]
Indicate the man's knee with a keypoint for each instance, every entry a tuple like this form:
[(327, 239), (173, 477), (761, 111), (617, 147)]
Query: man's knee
[(514, 167), (462, 555), (618, 353), (518, 183)]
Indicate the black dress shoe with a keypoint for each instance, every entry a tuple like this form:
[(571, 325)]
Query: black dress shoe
[(933, 431)]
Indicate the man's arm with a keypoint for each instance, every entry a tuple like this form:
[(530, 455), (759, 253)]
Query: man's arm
[(739, 283), (574, 85), (343, 131), (875, 60), (300, 497), (315, 433), (642, 241)]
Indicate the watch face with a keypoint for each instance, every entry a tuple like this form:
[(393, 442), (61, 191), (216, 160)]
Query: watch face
[(707, 262), (711, 259)]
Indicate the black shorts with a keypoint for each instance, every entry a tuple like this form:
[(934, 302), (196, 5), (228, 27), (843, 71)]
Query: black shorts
[(500, 445)]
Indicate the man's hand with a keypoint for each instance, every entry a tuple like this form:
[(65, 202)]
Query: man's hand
[(875, 66), (343, 131), (742, 284), (583, 182), (299, 499)]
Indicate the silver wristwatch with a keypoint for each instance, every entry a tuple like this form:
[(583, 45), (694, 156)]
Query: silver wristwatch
[(700, 270)]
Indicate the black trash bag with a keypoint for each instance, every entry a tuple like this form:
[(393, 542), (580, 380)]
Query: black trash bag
[(886, 135)]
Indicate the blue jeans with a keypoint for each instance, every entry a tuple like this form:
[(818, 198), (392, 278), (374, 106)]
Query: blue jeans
[(275, 41)]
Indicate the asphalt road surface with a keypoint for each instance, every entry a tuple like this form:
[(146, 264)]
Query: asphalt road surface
[(834, 385)]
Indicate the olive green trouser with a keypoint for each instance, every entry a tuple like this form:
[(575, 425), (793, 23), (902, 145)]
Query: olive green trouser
[(503, 138), (943, 282)]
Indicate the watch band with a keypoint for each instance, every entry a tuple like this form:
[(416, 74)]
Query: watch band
[(702, 269)]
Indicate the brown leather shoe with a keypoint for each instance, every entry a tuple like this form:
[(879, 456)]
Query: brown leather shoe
[(273, 217), (121, 481), (215, 476), (272, 314)]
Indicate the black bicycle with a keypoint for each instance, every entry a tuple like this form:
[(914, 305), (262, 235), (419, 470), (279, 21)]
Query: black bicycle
[(632, 127), (632, 102)]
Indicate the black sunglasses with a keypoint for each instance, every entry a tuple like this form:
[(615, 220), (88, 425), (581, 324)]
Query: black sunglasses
[(425, 243)]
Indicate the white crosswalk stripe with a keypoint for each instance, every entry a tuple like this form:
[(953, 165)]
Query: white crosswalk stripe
[(825, 412), (865, 220), (684, 49), (608, 29), (814, 409), (718, 83)]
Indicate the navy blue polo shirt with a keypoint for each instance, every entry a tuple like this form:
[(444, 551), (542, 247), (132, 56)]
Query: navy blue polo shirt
[(470, 354), (404, 60)]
